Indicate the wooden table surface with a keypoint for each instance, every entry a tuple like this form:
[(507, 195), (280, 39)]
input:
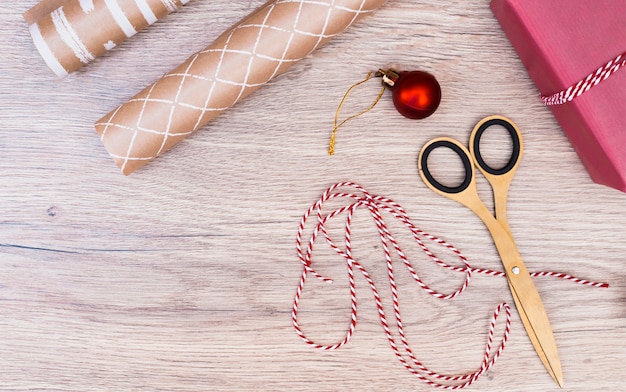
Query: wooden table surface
[(181, 277)]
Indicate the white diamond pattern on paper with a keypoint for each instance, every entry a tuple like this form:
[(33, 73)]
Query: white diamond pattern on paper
[(244, 58)]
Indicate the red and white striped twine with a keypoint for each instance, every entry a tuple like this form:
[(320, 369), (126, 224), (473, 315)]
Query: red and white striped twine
[(587, 83), (376, 205)]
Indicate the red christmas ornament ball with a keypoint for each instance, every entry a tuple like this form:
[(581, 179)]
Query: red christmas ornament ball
[(416, 94)]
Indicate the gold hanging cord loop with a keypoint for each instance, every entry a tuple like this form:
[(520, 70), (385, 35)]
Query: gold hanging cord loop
[(331, 147)]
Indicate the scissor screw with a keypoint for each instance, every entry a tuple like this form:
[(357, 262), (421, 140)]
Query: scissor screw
[(515, 270)]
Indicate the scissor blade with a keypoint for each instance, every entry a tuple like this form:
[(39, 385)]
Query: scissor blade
[(536, 322), (552, 366), (527, 299)]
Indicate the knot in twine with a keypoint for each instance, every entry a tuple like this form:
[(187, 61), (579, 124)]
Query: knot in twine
[(359, 198)]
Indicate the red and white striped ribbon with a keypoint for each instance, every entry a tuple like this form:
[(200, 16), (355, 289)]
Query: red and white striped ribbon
[(577, 89), (376, 205)]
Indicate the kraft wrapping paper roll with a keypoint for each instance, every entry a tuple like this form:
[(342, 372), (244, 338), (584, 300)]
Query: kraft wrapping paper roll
[(261, 46), (69, 34)]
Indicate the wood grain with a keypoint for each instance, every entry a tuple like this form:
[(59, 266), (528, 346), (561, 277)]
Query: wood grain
[(181, 277)]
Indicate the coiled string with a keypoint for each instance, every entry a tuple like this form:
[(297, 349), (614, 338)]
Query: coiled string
[(360, 199)]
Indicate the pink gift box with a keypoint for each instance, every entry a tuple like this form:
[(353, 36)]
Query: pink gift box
[(560, 42)]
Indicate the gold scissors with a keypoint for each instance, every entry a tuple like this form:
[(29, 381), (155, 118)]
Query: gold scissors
[(527, 299)]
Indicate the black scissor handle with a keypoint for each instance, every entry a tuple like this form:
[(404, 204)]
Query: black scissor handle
[(477, 134), (460, 151)]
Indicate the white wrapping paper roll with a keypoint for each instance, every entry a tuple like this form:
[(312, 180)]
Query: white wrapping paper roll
[(248, 55), (71, 33)]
